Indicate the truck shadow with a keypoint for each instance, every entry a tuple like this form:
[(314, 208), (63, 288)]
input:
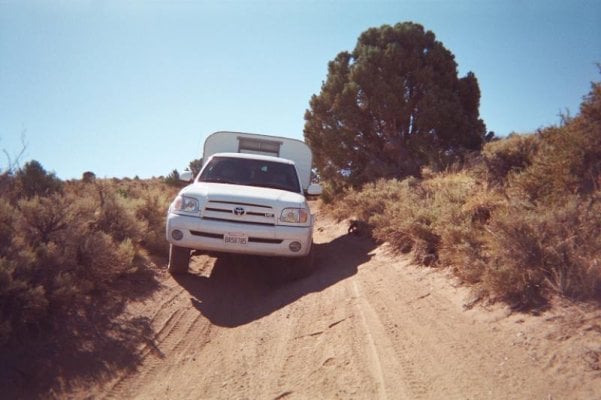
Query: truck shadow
[(242, 289)]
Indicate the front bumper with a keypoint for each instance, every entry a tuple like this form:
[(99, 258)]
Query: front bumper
[(263, 240)]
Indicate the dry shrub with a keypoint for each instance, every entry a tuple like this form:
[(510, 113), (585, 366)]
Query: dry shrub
[(373, 198), (144, 204), (569, 158), (510, 248), (535, 252), (512, 154), (69, 234), (6, 224), (447, 195), (329, 194), (520, 253), (43, 217), (101, 258), (568, 162), (58, 250), (152, 210), (548, 240), (70, 260), (374, 201), (416, 215), (115, 216), (463, 243), (514, 269)]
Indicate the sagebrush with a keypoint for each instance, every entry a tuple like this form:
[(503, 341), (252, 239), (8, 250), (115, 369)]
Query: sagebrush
[(61, 242)]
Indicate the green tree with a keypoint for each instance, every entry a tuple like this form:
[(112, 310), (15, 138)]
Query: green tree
[(173, 178), (34, 180), (195, 166), (88, 177), (394, 104)]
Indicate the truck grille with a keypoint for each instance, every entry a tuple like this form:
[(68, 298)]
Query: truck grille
[(243, 213)]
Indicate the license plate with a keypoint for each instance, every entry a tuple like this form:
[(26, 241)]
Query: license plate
[(238, 239)]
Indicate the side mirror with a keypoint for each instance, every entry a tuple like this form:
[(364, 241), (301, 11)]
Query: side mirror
[(314, 189), (186, 176)]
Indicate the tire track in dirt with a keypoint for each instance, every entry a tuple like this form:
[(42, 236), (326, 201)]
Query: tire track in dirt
[(375, 364), (456, 354), (409, 386), (173, 322), (440, 337)]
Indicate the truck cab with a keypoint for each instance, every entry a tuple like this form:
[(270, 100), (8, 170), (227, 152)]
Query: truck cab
[(247, 199)]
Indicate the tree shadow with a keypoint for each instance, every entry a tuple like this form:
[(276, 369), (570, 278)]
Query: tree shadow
[(94, 344), (242, 289)]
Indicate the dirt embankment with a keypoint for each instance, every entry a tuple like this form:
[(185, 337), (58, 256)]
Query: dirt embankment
[(365, 325)]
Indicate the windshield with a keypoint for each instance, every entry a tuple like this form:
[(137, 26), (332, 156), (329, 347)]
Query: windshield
[(242, 171)]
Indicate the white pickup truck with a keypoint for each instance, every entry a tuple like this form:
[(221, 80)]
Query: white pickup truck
[(249, 198)]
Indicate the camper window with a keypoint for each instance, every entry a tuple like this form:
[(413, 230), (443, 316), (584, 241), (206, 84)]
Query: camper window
[(257, 146)]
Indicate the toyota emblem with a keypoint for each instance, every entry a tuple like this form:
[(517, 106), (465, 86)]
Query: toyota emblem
[(239, 211)]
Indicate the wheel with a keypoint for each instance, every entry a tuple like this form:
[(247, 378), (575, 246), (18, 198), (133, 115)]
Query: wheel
[(179, 258), (302, 267)]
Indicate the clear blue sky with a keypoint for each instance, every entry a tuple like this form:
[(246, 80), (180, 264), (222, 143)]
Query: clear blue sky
[(125, 88)]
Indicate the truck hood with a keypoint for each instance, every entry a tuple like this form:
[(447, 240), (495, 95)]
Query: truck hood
[(278, 199)]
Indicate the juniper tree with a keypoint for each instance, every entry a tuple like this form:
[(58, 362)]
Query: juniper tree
[(392, 105)]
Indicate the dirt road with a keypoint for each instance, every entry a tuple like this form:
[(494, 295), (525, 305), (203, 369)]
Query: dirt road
[(365, 325)]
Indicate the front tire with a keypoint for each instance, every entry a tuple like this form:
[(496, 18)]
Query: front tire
[(302, 267), (179, 260)]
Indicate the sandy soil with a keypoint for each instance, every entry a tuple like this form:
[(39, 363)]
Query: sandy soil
[(365, 325)]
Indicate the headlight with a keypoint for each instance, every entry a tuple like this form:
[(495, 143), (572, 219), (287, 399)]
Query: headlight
[(185, 204), (294, 216)]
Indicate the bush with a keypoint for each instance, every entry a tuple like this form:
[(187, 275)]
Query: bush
[(328, 194), (115, 217), (60, 247), (151, 210), (535, 252), (7, 219), (417, 215), (33, 180), (508, 247), (462, 236), (568, 160), (22, 305), (407, 221), (512, 154), (43, 217)]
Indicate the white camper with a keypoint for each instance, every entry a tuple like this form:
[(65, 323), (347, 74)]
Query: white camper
[(249, 198)]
